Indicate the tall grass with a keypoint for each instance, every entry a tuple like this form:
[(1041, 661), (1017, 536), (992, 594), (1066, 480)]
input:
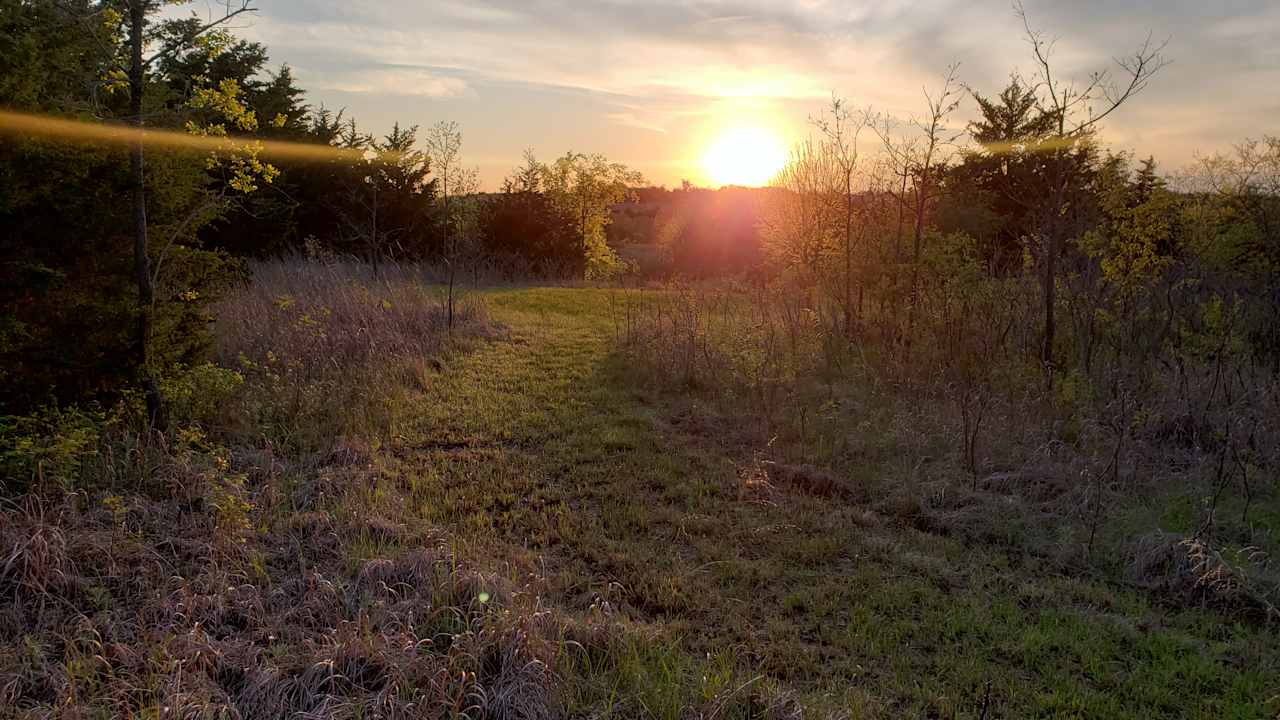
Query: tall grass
[(1150, 475), (330, 348), (260, 562), (252, 563)]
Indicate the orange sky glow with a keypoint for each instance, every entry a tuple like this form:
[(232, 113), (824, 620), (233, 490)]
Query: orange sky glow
[(661, 84)]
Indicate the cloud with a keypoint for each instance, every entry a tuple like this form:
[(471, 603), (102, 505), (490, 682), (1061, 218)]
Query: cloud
[(641, 77), (391, 81)]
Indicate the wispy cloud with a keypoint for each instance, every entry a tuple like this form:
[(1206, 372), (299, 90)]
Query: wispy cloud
[(640, 78), (391, 82)]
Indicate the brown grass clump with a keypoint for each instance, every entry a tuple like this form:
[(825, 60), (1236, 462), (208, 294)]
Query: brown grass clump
[(815, 481), (34, 560), (328, 351), (1190, 570), (196, 634), (212, 572)]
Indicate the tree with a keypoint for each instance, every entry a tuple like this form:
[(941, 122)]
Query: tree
[(937, 138), (587, 187), (444, 147), (262, 222), (138, 68), (921, 162), (800, 224), (1074, 113), (840, 129), (524, 223), (1121, 290), (1002, 170), (406, 190), (58, 266), (1232, 223), (68, 232), (387, 192)]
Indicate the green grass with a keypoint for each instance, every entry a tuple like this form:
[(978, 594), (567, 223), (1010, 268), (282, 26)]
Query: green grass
[(538, 451)]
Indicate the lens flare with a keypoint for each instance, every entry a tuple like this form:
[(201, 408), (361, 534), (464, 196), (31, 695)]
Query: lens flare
[(28, 126)]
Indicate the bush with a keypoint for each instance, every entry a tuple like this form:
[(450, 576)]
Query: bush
[(47, 449), (196, 395)]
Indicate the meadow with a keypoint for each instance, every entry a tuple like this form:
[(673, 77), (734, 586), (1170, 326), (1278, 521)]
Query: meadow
[(598, 502), (735, 406)]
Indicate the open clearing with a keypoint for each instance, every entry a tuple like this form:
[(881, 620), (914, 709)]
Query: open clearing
[(540, 457)]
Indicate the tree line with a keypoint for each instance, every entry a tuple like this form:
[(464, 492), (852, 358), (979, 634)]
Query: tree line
[(114, 253), (900, 225)]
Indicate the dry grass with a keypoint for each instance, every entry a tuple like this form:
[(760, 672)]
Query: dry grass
[(128, 624), (546, 540), (1193, 572), (254, 564), (329, 349), (337, 316), (952, 432)]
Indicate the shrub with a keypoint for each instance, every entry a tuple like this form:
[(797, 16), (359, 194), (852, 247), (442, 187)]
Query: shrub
[(48, 448), (196, 395)]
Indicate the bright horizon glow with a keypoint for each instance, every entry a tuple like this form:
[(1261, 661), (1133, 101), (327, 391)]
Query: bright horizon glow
[(749, 156), (652, 84)]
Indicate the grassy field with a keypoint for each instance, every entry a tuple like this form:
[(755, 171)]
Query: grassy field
[(540, 453), (365, 514)]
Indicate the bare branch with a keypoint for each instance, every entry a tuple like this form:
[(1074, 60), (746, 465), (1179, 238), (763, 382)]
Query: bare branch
[(1063, 101), (232, 10)]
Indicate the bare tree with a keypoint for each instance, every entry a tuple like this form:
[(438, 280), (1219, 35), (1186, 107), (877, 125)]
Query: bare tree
[(1076, 110), (444, 147), (799, 222), (919, 159), (938, 139), (892, 174), (841, 129)]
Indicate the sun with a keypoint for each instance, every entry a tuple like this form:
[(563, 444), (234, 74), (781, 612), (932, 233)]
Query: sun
[(748, 156)]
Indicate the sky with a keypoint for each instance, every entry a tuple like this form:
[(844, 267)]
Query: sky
[(652, 84)]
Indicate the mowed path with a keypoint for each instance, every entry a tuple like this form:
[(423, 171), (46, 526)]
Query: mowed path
[(540, 455)]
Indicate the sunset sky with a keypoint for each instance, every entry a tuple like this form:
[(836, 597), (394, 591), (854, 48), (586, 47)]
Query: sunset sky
[(654, 84)]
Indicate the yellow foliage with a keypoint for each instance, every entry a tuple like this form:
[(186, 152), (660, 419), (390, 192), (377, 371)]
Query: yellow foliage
[(244, 170)]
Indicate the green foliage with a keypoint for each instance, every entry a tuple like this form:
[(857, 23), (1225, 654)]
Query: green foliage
[(1134, 245), (530, 229), (192, 282), (68, 307), (47, 449), (1004, 175), (49, 50), (586, 187), (197, 395)]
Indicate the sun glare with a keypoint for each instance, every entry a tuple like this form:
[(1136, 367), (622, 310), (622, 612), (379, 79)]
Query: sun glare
[(748, 156)]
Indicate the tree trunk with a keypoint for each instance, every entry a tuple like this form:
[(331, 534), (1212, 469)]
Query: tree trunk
[(141, 261), (1050, 302), (848, 259), (452, 275), (922, 196)]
